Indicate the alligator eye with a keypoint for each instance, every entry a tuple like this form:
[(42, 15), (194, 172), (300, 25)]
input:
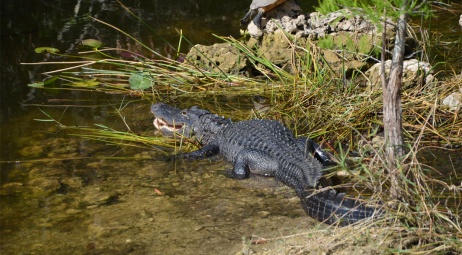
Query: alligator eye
[(183, 113)]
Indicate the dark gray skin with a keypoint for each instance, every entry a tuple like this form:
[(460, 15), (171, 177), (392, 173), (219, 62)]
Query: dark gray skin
[(267, 148)]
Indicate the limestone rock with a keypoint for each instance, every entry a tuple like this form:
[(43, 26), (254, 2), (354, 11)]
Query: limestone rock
[(340, 65), (319, 25), (414, 73), (348, 39), (287, 11), (316, 25), (276, 49), (453, 101), (288, 17), (218, 57)]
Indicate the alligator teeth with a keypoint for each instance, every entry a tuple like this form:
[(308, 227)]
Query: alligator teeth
[(162, 125), (158, 123)]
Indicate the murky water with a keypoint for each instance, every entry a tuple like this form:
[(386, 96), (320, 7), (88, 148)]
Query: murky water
[(69, 195), (64, 194)]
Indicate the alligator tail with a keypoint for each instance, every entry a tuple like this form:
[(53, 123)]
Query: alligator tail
[(333, 207)]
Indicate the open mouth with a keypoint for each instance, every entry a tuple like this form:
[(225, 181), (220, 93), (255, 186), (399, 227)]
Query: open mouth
[(162, 125)]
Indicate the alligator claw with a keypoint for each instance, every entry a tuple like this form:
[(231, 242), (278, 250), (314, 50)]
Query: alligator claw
[(230, 173)]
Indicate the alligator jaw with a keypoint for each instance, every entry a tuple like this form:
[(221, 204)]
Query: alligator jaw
[(164, 126)]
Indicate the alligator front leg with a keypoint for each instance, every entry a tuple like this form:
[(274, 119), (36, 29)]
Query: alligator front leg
[(202, 153), (253, 161)]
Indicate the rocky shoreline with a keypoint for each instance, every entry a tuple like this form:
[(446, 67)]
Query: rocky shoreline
[(341, 42)]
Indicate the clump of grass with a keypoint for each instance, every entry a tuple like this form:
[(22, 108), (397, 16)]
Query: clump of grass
[(422, 221), (128, 138), (326, 43)]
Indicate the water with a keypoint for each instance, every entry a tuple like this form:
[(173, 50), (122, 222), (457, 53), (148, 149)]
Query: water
[(69, 195), (63, 194)]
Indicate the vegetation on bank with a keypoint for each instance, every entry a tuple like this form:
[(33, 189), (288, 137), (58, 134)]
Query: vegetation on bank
[(345, 116)]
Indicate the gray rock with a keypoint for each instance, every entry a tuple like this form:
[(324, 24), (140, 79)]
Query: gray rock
[(453, 101), (285, 34), (98, 198), (415, 72), (287, 11), (220, 57), (317, 25)]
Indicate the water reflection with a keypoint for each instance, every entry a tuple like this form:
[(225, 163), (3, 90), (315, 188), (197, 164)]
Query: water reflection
[(63, 24)]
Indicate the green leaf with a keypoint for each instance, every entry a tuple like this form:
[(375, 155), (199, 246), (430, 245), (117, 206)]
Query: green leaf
[(140, 81), (86, 83), (36, 84), (93, 43), (46, 50), (50, 81)]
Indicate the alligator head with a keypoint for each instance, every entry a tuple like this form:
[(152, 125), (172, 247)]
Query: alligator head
[(170, 120), (187, 122)]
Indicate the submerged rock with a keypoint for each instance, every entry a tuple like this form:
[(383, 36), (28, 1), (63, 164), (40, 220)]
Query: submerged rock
[(42, 187), (72, 182), (98, 198), (12, 188), (34, 151)]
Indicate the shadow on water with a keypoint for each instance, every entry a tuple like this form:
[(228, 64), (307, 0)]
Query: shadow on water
[(63, 194)]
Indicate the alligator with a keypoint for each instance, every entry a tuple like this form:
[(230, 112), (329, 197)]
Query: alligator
[(267, 148)]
